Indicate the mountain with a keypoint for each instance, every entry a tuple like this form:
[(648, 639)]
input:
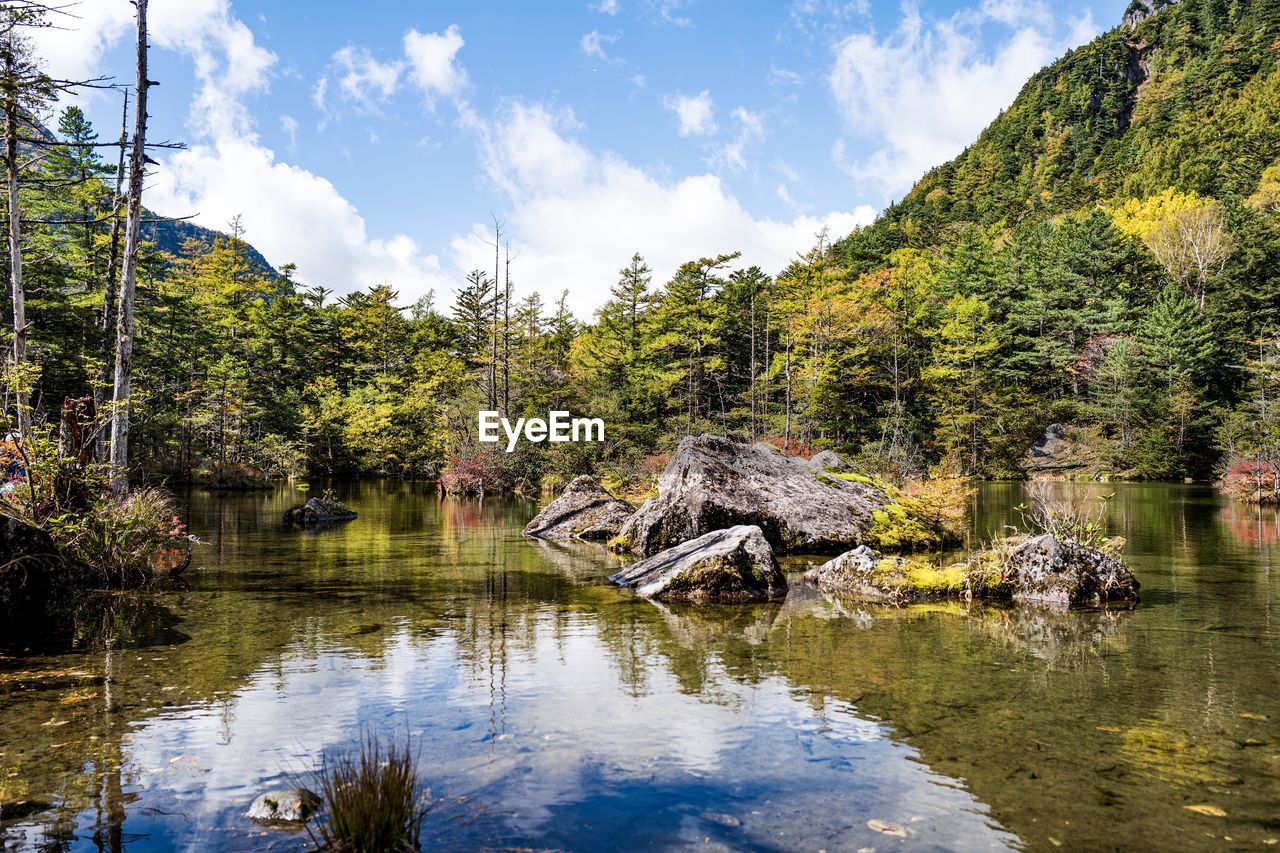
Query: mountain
[(1183, 94), (169, 236)]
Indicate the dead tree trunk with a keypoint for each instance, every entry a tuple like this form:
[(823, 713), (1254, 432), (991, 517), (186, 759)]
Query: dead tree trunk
[(129, 272), (17, 292), (108, 325)]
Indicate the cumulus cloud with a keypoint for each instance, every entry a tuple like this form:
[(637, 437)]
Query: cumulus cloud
[(433, 65), (608, 7), (924, 92), (577, 215), (290, 214), (695, 113)]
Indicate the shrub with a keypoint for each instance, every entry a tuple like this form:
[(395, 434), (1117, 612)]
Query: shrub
[(372, 800), (479, 474), (794, 446), (1080, 518), (123, 541), (1252, 481)]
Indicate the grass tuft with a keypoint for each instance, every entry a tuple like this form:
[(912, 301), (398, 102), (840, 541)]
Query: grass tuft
[(372, 800)]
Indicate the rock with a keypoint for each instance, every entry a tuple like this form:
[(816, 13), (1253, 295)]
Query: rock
[(1140, 10), (867, 574), (1041, 570), (34, 578), (735, 564), (712, 483), (827, 460), (318, 511), (1047, 570), (284, 806), (585, 510), (1065, 452)]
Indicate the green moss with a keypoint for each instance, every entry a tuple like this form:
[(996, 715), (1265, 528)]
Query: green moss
[(919, 578), (621, 544), (897, 528)]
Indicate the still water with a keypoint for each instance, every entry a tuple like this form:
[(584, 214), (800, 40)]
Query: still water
[(554, 711)]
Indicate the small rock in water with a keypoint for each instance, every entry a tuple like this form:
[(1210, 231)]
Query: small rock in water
[(291, 806), (1205, 809), (885, 827), (722, 819)]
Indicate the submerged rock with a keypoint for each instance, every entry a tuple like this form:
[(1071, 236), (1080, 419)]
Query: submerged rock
[(1048, 570), (284, 806), (735, 564), (712, 483), (867, 574), (318, 511), (585, 510)]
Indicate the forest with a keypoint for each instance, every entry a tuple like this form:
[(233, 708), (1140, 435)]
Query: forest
[(1100, 258)]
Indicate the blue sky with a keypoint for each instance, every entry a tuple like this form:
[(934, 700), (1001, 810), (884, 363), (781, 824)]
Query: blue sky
[(374, 145)]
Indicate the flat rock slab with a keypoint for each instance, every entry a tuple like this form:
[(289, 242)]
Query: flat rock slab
[(585, 510), (733, 565), (712, 483)]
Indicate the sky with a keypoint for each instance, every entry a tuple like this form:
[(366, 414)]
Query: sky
[(376, 142)]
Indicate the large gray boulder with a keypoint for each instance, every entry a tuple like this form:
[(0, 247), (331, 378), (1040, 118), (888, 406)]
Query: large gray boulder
[(585, 510), (735, 564), (712, 483), (1047, 570), (869, 575)]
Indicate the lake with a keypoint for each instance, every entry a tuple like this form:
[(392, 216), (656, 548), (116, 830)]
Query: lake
[(552, 710)]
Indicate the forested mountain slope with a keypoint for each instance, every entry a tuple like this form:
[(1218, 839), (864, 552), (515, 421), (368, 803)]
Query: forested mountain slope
[(1114, 232), (1187, 97)]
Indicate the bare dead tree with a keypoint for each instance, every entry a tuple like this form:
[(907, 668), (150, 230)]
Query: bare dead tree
[(498, 231), (129, 272), (107, 325)]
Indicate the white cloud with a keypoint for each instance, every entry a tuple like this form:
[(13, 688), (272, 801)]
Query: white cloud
[(608, 7), (592, 44), (290, 214), (666, 12), (750, 129), (363, 79), (289, 125), (927, 90), (433, 62), (695, 113), (575, 215)]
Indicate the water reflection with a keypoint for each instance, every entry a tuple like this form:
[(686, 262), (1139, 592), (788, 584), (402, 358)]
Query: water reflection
[(555, 710)]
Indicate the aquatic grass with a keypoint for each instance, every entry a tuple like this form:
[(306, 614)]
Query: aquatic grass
[(1080, 518), (372, 799)]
